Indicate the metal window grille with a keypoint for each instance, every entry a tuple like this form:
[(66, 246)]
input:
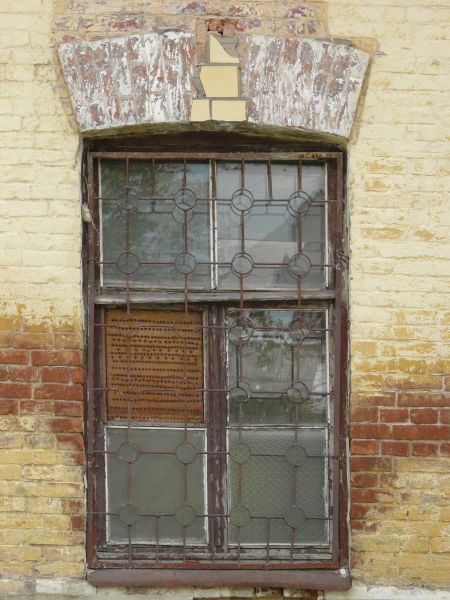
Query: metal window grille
[(215, 350)]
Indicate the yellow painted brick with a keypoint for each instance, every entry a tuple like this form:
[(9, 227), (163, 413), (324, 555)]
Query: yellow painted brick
[(219, 81), (61, 569), (218, 54), (228, 110), (200, 110), (10, 471), (45, 505)]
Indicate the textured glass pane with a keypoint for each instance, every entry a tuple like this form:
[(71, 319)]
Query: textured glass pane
[(138, 231), (262, 468), (284, 370), (154, 484)]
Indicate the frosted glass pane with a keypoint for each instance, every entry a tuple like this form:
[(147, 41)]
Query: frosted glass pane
[(262, 486), (285, 377), (154, 484)]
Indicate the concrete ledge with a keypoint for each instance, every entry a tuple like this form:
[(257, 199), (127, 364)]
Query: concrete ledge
[(311, 579)]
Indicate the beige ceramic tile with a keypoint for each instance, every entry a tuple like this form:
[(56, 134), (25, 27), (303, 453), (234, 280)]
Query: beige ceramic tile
[(200, 110), (220, 82), (218, 54), (228, 110)]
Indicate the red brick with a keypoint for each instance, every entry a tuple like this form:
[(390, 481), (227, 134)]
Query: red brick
[(58, 391), (15, 390), (368, 432), (36, 407), (369, 415), (421, 432), (63, 358), (364, 496), (364, 479), (423, 399), (77, 374), (5, 339), (68, 425), (370, 463), (445, 449), (425, 449), (359, 511), (74, 507), (77, 523), (70, 441), (68, 409), (364, 447), (33, 340), (445, 415), (4, 373), (394, 415), (13, 357), (424, 415), (55, 374), (24, 374), (395, 448), (9, 407)]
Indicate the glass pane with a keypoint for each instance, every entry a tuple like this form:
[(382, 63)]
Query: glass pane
[(271, 234), (281, 376), (147, 477), (143, 238), (278, 476)]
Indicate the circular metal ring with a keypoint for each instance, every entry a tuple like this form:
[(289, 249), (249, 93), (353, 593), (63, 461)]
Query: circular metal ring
[(185, 199), (128, 263), (294, 517), (299, 265), (186, 453), (295, 455), (242, 264), (127, 198), (242, 201), (241, 331), (299, 203), (240, 453), (129, 452), (297, 393), (297, 331), (185, 515), (239, 516), (185, 263), (129, 514), (239, 393)]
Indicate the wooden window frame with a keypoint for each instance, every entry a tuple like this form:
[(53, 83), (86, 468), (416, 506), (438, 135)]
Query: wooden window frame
[(323, 574)]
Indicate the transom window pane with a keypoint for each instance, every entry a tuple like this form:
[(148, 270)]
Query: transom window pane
[(212, 223)]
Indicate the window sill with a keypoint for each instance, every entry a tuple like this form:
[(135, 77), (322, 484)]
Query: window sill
[(307, 579)]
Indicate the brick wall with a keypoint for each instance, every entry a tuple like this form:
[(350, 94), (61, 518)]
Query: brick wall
[(398, 179)]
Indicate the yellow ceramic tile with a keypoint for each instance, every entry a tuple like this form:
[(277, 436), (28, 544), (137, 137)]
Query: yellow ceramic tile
[(220, 82), (218, 54), (200, 110), (228, 110)]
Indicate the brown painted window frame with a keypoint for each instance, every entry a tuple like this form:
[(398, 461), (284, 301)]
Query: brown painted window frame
[(326, 574)]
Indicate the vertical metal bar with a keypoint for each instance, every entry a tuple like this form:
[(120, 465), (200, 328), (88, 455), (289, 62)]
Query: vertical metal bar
[(269, 176)]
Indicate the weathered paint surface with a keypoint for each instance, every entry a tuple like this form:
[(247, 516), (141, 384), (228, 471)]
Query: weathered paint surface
[(147, 78), (130, 80), (304, 83)]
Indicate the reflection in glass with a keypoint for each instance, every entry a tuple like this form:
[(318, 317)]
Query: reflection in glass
[(153, 229), (156, 486), (274, 362)]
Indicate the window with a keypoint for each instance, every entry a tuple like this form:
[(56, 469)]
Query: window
[(215, 361)]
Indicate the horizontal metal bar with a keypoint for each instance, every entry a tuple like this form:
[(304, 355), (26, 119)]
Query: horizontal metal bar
[(140, 297), (308, 579), (234, 156)]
